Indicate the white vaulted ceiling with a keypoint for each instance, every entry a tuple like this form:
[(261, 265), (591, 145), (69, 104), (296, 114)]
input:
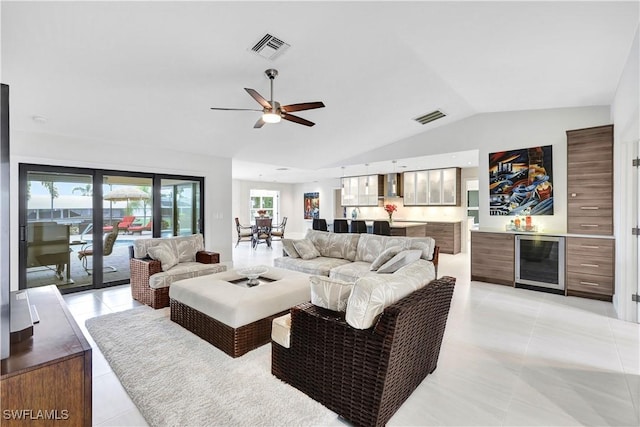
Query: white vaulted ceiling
[(144, 74)]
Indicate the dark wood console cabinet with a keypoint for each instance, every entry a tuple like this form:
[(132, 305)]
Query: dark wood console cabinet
[(49, 374)]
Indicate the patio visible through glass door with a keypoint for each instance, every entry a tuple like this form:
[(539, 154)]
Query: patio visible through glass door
[(59, 211), (180, 207)]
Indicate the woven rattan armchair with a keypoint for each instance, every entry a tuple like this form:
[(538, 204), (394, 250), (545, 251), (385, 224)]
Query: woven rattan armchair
[(365, 375), (143, 268)]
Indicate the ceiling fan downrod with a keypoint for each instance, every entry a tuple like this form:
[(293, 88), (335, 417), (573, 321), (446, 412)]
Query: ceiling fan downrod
[(271, 73)]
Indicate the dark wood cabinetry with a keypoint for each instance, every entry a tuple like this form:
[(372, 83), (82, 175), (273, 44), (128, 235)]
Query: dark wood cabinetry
[(409, 230), (49, 374), (590, 181), (493, 257), (589, 267), (447, 235)]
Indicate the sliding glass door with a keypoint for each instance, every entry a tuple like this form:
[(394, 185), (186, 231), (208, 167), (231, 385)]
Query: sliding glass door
[(66, 215)]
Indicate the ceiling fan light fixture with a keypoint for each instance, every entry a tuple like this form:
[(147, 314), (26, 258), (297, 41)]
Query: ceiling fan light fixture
[(270, 117)]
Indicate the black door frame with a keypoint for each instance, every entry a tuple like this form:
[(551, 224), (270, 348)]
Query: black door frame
[(98, 215)]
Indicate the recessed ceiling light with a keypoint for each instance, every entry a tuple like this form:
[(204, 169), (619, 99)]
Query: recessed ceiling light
[(39, 119)]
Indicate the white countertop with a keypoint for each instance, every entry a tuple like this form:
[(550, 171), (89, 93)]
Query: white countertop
[(542, 233)]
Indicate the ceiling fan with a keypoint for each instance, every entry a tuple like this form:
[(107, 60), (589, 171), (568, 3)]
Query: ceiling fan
[(272, 111)]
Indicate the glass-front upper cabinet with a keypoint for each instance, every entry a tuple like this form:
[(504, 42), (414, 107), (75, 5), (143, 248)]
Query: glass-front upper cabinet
[(409, 183), (434, 187), (421, 187), (449, 186), (362, 190)]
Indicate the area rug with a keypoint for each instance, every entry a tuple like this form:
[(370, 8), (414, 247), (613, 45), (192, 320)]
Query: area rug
[(177, 379)]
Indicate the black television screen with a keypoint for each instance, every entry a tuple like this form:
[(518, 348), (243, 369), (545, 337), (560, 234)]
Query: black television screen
[(5, 283)]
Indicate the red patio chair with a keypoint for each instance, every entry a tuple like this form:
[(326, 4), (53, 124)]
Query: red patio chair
[(140, 228)]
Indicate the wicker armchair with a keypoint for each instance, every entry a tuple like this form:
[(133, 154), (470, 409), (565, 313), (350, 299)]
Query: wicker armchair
[(365, 375), (143, 268)]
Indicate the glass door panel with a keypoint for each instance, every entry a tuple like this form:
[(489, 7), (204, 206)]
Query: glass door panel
[(58, 210), (126, 209), (180, 207)]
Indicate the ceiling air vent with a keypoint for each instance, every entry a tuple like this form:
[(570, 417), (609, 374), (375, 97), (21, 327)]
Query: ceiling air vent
[(270, 47), (428, 118)]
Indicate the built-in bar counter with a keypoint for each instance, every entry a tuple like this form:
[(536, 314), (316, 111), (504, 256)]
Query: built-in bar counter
[(588, 264)]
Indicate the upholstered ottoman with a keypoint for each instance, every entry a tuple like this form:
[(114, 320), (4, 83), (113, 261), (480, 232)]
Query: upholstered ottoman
[(232, 316)]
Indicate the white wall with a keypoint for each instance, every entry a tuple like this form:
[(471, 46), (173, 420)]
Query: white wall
[(41, 148), (625, 113)]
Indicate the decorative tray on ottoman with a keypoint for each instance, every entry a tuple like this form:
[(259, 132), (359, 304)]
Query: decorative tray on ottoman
[(252, 277)]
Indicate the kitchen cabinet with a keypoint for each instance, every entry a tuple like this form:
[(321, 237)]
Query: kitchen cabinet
[(589, 267), (447, 235), (409, 229), (50, 370), (364, 190), (590, 181), (434, 187), (493, 257)]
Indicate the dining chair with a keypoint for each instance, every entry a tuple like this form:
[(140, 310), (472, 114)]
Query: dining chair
[(382, 227), (262, 232), (358, 226), (278, 230), (245, 232), (340, 226)]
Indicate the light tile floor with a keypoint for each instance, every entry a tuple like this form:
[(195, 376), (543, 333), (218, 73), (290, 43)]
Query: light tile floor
[(510, 357)]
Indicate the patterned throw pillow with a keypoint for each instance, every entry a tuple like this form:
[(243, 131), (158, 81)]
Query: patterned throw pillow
[(331, 294), (385, 256), (287, 246), (400, 260), (306, 249), (164, 253)]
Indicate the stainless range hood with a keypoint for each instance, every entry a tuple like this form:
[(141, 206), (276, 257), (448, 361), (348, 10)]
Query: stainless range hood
[(393, 185)]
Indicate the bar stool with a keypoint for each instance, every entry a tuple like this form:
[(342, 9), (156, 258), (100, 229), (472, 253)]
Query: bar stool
[(382, 227), (340, 226), (319, 224), (358, 226)]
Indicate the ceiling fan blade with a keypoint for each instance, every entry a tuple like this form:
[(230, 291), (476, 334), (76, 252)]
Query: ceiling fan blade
[(259, 123), (302, 106), (255, 95), (297, 119), (234, 109)]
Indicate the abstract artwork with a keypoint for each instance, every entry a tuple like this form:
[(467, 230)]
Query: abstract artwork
[(311, 205), (520, 182)]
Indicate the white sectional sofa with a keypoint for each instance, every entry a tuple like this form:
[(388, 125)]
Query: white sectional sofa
[(348, 256)]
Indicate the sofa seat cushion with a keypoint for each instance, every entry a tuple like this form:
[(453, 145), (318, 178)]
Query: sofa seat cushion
[(184, 270), (334, 245), (281, 330), (351, 272), (372, 293), (319, 266)]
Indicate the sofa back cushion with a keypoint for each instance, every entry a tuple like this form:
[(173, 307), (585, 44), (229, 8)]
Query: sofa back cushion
[(372, 245), (335, 245), (426, 244), (371, 294), (166, 252), (186, 246)]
